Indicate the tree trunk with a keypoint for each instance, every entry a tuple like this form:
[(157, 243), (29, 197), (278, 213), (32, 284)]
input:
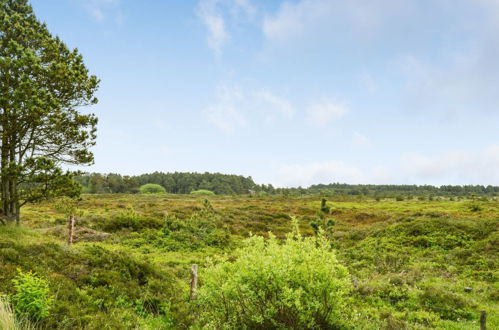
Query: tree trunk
[(12, 200), (4, 176), (18, 214)]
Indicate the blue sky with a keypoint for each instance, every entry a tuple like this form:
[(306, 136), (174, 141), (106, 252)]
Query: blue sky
[(292, 92)]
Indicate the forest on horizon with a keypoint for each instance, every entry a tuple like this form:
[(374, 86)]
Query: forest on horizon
[(229, 184)]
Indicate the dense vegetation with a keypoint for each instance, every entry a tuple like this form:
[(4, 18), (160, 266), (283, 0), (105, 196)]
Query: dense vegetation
[(404, 190), (380, 257), (152, 188), (174, 183), (411, 264), (298, 284), (223, 184), (43, 86)]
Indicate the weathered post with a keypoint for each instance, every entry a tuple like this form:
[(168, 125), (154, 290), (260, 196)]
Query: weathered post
[(71, 228), (194, 281), (483, 320)]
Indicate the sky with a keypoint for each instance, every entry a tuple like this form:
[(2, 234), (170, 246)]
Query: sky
[(292, 93)]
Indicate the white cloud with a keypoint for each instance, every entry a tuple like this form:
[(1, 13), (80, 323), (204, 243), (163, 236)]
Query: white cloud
[(324, 112), (466, 167), (212, 18), (101, 10), (214, 14), (307, 17), (236, 108), (459, 76), (369, 83), (226, 114), (450, 65), (97, 14), (453, 167), (360, 140), (274, 105), (318, 172), (465, 83), (291, 19)]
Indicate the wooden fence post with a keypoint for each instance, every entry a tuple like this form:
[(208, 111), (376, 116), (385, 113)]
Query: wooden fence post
[(194, 281), (483, 320), (71, 229)]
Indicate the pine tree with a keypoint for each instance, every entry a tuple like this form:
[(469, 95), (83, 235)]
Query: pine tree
[(42, 86)]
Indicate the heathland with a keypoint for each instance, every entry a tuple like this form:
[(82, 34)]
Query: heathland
[(408, 263)]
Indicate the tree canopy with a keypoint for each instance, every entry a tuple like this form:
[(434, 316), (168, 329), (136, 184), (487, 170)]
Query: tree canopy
[(225, 184), (152, 188), (43, 84)]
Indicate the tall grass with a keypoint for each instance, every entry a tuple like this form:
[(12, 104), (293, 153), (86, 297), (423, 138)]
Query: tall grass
[(8, 320)]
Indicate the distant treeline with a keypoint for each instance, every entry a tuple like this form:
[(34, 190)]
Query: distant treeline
[(174, 183), (403, 190), (225, 184)]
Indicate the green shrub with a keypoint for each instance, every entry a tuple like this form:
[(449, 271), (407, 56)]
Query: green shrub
[(321, 222), (449, 305), (298, 284), (324, 207), (129, 219), (475, 208), (32, 298), (202, 192), (202, 228), (152, 188)]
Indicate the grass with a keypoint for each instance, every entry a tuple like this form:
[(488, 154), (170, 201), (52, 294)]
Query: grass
[(414, 264), (8, 320)]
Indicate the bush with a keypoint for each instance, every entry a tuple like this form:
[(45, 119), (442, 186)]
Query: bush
[(324, 207), (202, 228), (202, 192), (475, 208), (32, 299), (128, 219), (295, 285), (152, 188), (449, 305)]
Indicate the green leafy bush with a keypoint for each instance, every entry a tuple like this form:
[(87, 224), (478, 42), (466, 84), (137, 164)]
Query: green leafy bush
[(295, 285), (152, 188), (202, 192), (32, 298)]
